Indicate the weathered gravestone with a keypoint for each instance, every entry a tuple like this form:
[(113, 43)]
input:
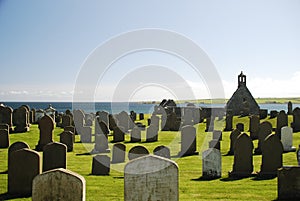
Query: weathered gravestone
[(46, 126), (101, 144), (86, 134), (6, 116), (228, 121), (4, 138), (101, 165), (264, 129), (54, 156), (211, 164), (287, 139), (162, 151), (118, 134), (66, 120), (233, 136), (288, 187), (243, 157), (135, 135), (253, 126), (188, 141), (240, 127), (67, 138), (151, 178), (296, 120), (137, 151), (214, 144), (24, 166), (152, 134), (118, 154), (217, 135), (272, 150), (58, 184), (20, 120), (282, 120)]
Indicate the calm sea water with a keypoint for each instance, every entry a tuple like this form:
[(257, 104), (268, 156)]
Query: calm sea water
[(117, 107)]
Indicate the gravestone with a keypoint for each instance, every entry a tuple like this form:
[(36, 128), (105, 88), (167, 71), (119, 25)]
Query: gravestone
[(151, 178), (141, 116), (54, 156), (187, 118), (152, 134), (253, 126), (101, 165), (155, 121), (4, 138), (20, 120), (264, 129), (58, 184), (118, 153), (272, 150), (24, 166), (101, 127), (210, 124), (287, 139), (46, 126), (217, 135), (173, 122), (228, 121), (240, 127), (211, 164), (67, 138), (101, 144), (132, 116), (66, 120), (86, 134), (290, 108), (15, 147), (135, 135), (4, 126), (72, 129), (103, 116), (296, 120), (112, 122), (38, 115), (123, 120), (6, 116), (118, 134), (188, 141), (243, 157), (214, 144), (288, 187), (233, 136), (79, 117), (137, 151), (282, 120), (162, 151), (263, 113), (273, 114)]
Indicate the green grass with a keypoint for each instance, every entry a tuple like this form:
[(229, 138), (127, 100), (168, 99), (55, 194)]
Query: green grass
[(190, 187)]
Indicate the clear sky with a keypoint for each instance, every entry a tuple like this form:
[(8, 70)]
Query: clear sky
[(43, 45)]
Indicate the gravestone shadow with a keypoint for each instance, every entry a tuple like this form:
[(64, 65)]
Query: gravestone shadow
[(7, 196), (204, 179)]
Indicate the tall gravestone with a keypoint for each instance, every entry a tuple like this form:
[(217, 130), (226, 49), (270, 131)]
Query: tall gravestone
[(101, 165), (86, 134), (24, 166), (67, 138), (211, 164), (272, 150), (152, 134), (135, 135), (4, 138), (101, 144), (58, 184), (228, 121), (137, 151), (282, 120), (287, 139), (188, 141), (151, 178), (253, 126), (296, 120), (243, 157), (79, 117), (290, 108), (66, 120), (54, 156), (264, 129), (233, 136), (118, 155), (46, 126)]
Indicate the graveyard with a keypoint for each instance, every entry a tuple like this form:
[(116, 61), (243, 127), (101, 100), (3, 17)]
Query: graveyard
[(191, 184)]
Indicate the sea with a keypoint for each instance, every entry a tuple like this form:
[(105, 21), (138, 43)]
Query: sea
[(116, 107)]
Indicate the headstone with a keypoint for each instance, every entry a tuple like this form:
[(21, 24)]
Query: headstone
[(264, 129), (101, 144), (287, 139), (20, 120), (86, 134), (112, 122), (296, 120), (154, 121), (79, 120), (38, 115), (118, 154), (4, 126), (24, 166), (67, 138), (188, 141), (290, 108), (123, 119), (282, 120), (135, 135), (54, 156), (137, 151), (253, 126), (228, 121), (103, 116), (6, 116), (240, 127), (141, 116), (273, 114), (214, 144), (58, 184), (187, 118), (288, 187), (263, 113), (210, 124), (15, 147), (152, 134), (46, 126), (272, 150), (4, 138), (162, 151), (101, 127), (233, 136), (132, 116), (243, 157), (66, 120), (118, 134), (217, 135), (151, 178), (211, 164), (101, 165)]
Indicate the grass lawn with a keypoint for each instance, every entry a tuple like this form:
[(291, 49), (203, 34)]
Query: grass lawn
[(190, 187)]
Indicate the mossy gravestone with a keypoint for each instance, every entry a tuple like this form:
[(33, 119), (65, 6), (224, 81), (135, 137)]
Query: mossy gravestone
[(151, 178)]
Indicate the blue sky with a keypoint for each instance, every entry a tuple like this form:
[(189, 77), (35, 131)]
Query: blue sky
[(44, 44)]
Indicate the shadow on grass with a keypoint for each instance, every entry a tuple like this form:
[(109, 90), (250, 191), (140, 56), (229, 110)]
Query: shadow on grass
[(228, 179), (262, 178), (84, 154), (204, 179), (121, 177), (4, 172), (7, 196)]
